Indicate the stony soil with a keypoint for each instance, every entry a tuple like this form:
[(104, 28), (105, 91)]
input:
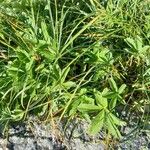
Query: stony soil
[(33, 135)]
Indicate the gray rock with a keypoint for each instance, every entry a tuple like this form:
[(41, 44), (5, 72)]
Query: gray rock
[(34, 135)]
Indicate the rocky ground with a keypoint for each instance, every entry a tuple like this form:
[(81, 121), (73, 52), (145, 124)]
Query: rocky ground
[(33, 135)]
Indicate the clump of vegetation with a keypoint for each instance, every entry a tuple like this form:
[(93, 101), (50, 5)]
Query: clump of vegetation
[(75, 58)]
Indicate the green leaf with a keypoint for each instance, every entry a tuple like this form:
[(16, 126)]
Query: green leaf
[(121, 100), (64, 74), (40, 67), (110, 95), (112, 103), (87, 100), (139, 43), (144, 49), (23, 56), (97, 123), (105, 91), (132, 44), (88, 108), (83, 91), (112, 128), (122, 88), (29, 65), (74, 107), (69, 84), (113, 85), (116, 120), (15, 69), (45, 32), (86, 117), (17, 114), (56, 72), (49, 55), (136, 44), (100, 99)]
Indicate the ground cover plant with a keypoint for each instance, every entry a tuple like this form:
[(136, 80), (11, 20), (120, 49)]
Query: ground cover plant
[(75, 59)]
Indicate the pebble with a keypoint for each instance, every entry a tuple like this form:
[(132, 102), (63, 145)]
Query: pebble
[(41, 137)]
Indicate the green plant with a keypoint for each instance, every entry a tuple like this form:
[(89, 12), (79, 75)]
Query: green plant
[(104, 116), (137, 49), (53, 54), (103, 105)]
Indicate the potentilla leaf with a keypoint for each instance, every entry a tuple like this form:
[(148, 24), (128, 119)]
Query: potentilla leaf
[(64, 74), (17, 114), (116, 120), (29, 65), (132, 44), (88, 108), (122, 88), (105, 91), (87, 100), (110, 95), (121, 100), (144, 49), (45, 31), (23, 55), (97, 123), (112, 103), (56, 72), (100, 99), (69, 84), (139, 43), (74, 107), (113, 84), (112, 128), (49, 55)]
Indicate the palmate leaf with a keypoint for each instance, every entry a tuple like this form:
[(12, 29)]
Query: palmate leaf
[(15, 69), (105, 91), (46, 50), (97, 123), (82, 103), (83, 91), (121, 99)]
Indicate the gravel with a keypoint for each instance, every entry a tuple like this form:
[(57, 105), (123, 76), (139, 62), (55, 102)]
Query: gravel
[(37, 136), (33, 135)]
